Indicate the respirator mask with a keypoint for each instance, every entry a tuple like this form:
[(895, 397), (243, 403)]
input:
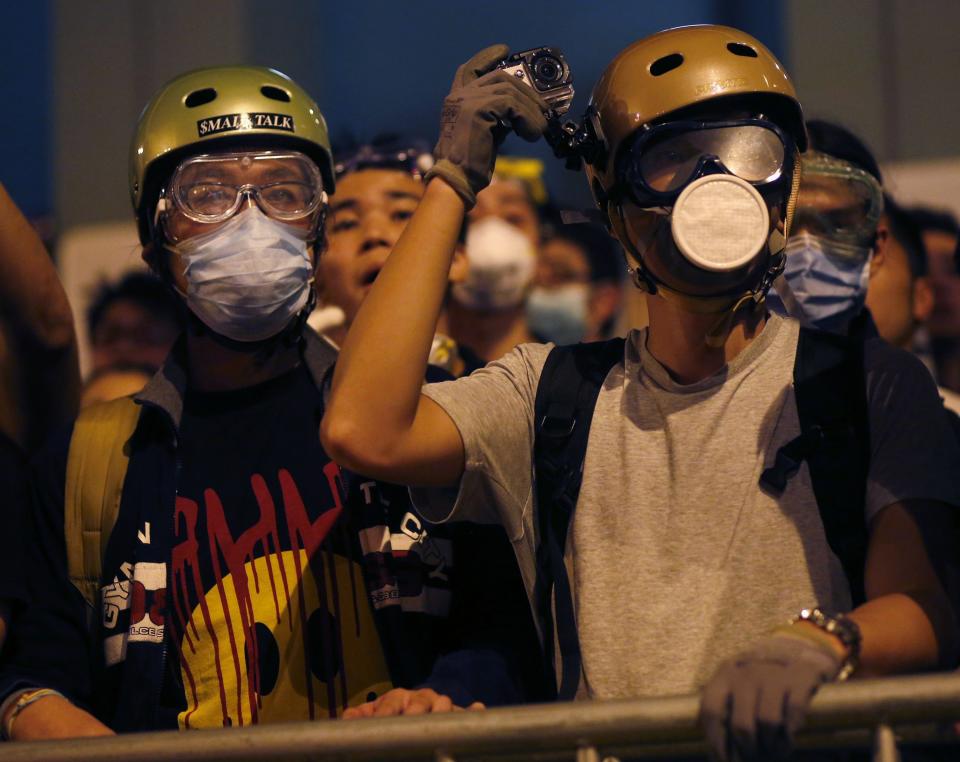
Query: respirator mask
[(701, 231)]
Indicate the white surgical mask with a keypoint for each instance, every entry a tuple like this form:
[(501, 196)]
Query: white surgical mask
[(500, 266), (247, 279)]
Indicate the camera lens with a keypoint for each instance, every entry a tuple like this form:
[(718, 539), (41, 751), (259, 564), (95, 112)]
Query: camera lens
[(547, 70)]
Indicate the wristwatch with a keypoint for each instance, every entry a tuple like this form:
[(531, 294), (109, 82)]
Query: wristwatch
[(840, 626)]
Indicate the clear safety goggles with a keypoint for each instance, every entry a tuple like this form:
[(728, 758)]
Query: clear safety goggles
[(211, 188), (837, 200), (666, 158)]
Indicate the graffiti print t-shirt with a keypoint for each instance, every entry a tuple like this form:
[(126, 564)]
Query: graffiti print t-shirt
[(269, 611)]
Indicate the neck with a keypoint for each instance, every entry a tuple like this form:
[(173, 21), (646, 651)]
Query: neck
[(212, 367), (490, 334), (677, 339)]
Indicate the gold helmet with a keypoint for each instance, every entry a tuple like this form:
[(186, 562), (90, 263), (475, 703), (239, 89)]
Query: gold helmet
[(673, 70), (221, 106)]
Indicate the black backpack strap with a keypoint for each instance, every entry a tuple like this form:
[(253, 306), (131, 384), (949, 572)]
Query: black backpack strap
[(830, 385), (566, 396)]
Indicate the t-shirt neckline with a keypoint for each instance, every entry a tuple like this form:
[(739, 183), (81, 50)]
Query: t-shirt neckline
[(649, 365)]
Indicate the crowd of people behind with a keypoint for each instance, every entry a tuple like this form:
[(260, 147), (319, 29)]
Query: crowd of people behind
[(377, 432)]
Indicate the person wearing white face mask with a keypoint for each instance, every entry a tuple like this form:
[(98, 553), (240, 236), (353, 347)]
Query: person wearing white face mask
[(486, 309), (202, 521)]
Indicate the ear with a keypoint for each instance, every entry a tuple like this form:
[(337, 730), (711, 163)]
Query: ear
[(459, 267), (922, 299), (881, 242), (604, 302), (158, 260)]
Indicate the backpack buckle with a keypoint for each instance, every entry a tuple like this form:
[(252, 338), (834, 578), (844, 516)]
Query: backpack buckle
[(557, 427)]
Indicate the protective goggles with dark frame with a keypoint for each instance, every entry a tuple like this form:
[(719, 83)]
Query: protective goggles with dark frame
[(665, 158), (211, 188), (414, 159)]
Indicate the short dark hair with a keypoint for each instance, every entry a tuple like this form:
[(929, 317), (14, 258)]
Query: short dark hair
[(837, 141), (937, 220), (904, 228), (603, 252), (143, 289)]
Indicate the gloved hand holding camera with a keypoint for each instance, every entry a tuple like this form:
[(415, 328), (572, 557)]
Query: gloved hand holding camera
[(482, 100)]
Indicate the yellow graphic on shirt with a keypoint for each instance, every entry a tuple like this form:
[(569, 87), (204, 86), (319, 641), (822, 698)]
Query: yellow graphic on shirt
[(287, 682)]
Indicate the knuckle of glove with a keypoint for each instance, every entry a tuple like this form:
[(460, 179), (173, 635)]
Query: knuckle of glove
[(480, 63)]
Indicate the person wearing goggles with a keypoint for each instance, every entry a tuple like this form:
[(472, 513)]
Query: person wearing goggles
[(672, 569), (242, 228), (202, 521), (378, 189), (834, 232)]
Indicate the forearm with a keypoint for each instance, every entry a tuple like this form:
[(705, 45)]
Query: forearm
[(54, 717), (31, 294), (903, 633), (376, 385), (35, 307)]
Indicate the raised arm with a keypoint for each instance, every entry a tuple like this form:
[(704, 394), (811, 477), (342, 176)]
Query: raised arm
[(377, 422), (35, 307)]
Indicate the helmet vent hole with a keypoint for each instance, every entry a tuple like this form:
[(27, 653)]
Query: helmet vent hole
[(199, 97), (667, 63), (739, 49), (275, 93)]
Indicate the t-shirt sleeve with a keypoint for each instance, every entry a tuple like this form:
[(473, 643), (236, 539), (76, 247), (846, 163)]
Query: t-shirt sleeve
[(914, 454), (493, 410)]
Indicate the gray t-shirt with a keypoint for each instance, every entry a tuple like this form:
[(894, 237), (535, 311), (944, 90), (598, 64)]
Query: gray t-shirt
[(679, 560)]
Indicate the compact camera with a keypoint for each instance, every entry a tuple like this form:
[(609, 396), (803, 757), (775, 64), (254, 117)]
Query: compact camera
[(547, 72)]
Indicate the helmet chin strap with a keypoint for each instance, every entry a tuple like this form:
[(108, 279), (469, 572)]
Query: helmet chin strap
[(726, 306)]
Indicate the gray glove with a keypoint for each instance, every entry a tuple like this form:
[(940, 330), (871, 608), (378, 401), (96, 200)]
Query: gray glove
[(482, 101), (755, 702)]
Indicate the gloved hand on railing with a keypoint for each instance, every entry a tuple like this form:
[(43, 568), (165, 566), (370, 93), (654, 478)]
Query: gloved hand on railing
[(755, 703), (482, 100)]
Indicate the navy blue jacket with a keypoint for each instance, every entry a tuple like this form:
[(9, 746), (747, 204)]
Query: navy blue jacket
[(486, 649)]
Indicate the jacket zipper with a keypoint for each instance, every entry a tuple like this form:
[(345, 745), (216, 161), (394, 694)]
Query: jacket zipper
[(167, 605)]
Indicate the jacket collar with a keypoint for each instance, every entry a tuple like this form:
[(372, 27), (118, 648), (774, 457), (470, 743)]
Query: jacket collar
[(165, 391)]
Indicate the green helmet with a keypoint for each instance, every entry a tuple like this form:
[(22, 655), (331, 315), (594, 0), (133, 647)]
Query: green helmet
[(219, 107)]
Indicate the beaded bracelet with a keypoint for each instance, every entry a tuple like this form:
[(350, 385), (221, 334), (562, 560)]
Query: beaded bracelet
[(24, 700)]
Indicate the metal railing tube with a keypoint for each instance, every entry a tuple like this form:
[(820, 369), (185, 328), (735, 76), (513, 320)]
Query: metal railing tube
[(561, 729)]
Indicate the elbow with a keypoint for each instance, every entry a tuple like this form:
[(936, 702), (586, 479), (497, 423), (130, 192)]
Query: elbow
[(344, 443), (47, 329), (57, 331), (335, 438), (358, 448)]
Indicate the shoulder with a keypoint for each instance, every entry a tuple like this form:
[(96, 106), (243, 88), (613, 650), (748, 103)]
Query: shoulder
[(523, 365), (890, 370), (531, 356)]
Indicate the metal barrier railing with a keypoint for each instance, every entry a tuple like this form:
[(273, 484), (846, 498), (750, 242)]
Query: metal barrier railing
[(873, 714)]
